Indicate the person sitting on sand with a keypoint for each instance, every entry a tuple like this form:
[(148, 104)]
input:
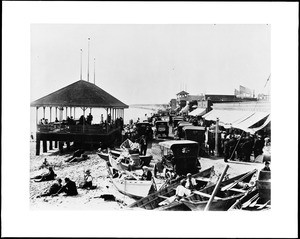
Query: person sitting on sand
[(69, 188), (88, 180), (50, 175), (147, 175), (77, 153), (54, 188), (190, 182), (181, 191), (83, 157), (45, 164)]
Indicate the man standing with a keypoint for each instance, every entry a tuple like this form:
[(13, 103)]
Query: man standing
[(143, 145)]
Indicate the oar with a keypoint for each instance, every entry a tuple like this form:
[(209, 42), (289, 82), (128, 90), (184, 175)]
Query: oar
[(132, 175), (216, 189), (264, 205), (254, 203), (246, 204), (231, 185)]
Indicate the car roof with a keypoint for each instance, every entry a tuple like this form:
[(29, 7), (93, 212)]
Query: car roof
[(192, 127), (170, 143), (185, 123)]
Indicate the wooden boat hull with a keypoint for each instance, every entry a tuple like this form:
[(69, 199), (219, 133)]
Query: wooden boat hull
[(145, 159), (216, 205), (131, 188), (225, 198), (152, 201)]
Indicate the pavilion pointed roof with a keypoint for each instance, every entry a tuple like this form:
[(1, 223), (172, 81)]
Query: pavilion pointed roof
[(80, 94), (182, 93)]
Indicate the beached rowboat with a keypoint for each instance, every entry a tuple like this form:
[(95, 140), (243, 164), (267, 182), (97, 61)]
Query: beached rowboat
[(132, 187), (230, 191), (152, 200)]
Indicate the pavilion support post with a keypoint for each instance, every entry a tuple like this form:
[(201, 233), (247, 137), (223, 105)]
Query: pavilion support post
[(37, 145), (61, 113), (50, 114), (70, 111), (44, 112), (216, 138), (61, 146), (37, 115), (55, 112), (50, 145), (44, 146), (74, 113), (55, 144), (66, 112)]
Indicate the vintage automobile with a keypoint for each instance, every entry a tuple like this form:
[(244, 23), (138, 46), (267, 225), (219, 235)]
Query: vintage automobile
[(144, 128), (179, 133), (176, 120), (181, 156), (162, 128), (196, 133)]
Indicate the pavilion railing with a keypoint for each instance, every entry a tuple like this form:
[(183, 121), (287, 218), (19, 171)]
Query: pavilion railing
[(76, 129)]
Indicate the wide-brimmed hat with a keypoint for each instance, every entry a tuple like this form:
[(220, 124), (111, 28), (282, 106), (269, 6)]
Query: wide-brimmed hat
[(87, 171), (189, 174)]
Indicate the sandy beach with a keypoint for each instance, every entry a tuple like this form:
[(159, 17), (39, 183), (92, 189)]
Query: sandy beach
[(90, 199)]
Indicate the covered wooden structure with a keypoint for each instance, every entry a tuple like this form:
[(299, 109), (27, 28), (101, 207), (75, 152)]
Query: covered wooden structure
[(83, 95)]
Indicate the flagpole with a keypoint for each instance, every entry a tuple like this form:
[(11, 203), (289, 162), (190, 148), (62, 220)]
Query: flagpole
[(94, 70), (80, 64), (88, 73)]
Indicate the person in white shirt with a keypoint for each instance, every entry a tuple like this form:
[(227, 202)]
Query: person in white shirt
[(181, 191), (190, 182), (88, 180)]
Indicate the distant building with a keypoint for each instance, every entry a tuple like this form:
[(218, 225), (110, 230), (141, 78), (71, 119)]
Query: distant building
[(244, 92), (263, 97), (184, 98)]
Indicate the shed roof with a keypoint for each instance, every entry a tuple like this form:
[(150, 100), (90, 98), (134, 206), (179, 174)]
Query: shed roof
[(80, 94)]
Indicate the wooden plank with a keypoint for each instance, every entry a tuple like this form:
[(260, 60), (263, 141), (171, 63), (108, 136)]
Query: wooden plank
[(205, 194), (238, 190), (161, 196), (202, 179)]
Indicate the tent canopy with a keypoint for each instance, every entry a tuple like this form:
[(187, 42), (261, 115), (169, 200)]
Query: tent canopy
[(236, 118), (199, 111), (80, 94)]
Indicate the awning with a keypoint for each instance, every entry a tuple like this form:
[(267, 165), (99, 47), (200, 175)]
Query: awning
[(228, 117), (199, 111), (185, 109), (253, 130), (253, 119)]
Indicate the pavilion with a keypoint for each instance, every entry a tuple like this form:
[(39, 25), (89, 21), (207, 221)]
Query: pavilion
[(84, 95)]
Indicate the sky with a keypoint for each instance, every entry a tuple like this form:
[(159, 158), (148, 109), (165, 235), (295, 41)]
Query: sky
[(151, 63)]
